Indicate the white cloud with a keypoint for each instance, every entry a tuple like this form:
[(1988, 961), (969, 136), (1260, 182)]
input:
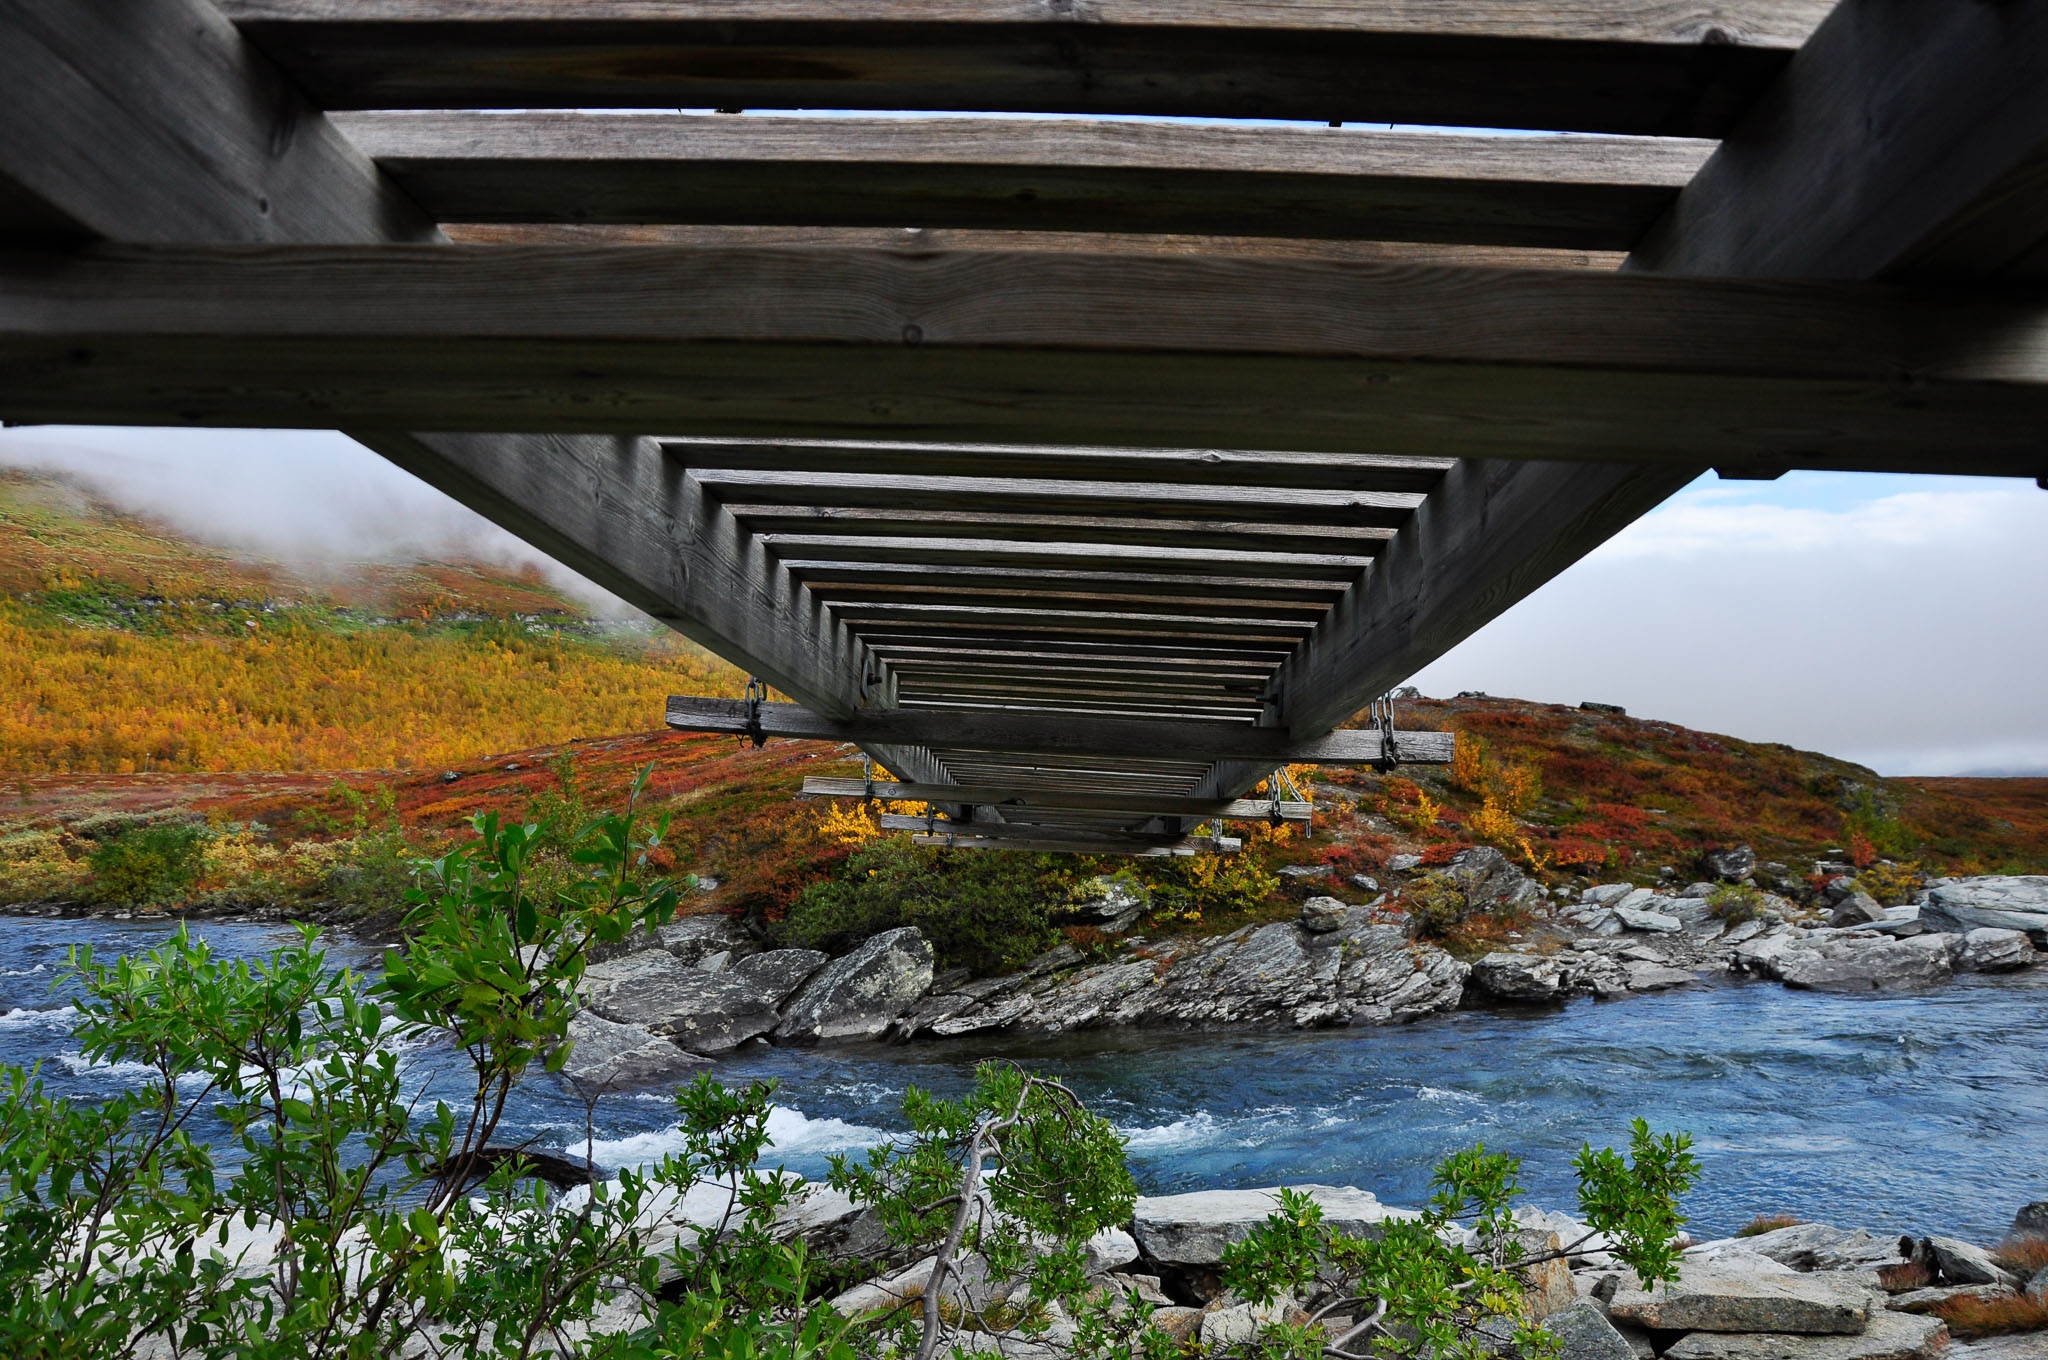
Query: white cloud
[(313, 498), (1894, 621)]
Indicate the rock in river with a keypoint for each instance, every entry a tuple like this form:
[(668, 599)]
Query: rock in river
[(609, 1056), (1889, 1336), (858, 995), (1737, 1294), (2001, 901), (1989, 950), (1193, 1229), (1858, 963)]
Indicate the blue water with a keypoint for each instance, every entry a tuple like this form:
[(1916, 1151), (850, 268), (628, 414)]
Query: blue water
[(1923, 1113)]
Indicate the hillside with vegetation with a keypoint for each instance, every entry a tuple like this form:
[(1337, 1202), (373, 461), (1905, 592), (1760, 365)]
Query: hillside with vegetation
[(185, 728)]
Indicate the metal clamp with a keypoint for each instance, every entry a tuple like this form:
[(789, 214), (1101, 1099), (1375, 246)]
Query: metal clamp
[(1380, 715), (756, 691)]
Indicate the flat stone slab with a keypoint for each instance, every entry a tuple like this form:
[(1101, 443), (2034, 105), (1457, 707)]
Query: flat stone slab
[(1587, 1334), (1890, 1336), (1725, 1296), (1193, 1229)]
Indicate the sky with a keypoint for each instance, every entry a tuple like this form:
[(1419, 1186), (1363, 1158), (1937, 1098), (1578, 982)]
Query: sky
[(1892, 620)]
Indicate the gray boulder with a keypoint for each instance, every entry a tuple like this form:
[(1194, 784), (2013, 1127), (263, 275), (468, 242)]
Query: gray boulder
[(779, 972), (1990, 950), (1520, 977), (1656, 977), (2002, 902), (1856, 907), (704, 1012), (1111, 902), (1188, 1231), (1606, 894), (1888, 1336), (693, 939), (857, 996), (1641, 918), (1321, 915), (1401, 864), (2031, 1221), (1863, 963), (609, 1056), (1489, 880), (1816, 1246), (1730, 1294), (1587, 1334), (1729, 866), (1960, 1262)]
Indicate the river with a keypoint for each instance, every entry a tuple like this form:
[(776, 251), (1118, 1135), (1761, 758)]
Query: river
[(1924, 1113)]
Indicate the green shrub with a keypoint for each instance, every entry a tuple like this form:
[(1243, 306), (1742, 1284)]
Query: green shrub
[(984, 912), (1735, 903), (151, 866)]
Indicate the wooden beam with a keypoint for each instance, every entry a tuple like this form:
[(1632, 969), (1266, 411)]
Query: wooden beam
[(918, 240), (1632, 368), (1596, 193), (1043, 496), (832, 578), (1905, 140), (1026, 732), (1006, 555), (1178, 467), (1184, 848), (1023, 795), (1115, 533), (1599, 65)]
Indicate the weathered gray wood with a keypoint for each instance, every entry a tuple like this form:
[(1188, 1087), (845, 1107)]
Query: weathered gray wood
[(1023, 597), (1180, 467), (158, 122), (1039, 496), (834, 579), (1020, 795), (1596, 193), (1026, 732), (1010, 556), (1115, 533), (1624, 367), (866, 613), (1906, 139), (919, 240), (1186, 847), (1678, 67)]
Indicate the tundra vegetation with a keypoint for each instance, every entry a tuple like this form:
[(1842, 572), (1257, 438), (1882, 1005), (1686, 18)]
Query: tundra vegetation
[(353, 1216)]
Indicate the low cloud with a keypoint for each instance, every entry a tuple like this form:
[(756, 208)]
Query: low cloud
[(312, 498), (1895, 621)]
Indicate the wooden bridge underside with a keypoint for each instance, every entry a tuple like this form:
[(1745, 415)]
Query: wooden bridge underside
[(1082, 469)]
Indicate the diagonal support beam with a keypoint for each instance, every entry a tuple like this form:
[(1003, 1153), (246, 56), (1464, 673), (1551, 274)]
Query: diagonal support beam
[(159, 123)]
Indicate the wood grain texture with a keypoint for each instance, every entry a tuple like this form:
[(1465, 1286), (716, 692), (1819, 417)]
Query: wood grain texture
[(1056, 496), (1679, 68), (1167, 353), (1258, 809), (919, 240), (1053, 735), (1906, 140), (1073, 175), (1181, 467)]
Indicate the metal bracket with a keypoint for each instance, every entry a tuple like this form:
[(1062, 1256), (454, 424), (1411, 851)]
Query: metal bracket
[(1380, 716), (756, 692)]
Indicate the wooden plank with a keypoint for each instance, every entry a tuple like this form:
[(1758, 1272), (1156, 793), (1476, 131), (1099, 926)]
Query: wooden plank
[(878, 613), (919, 240), (1106, 835), (1115, 533), (1178, 467), (1009, 556), (1235, 809), (1907, 140), (1678, 69), (1632, 368), (1159, 600), (1597, 193), (1045, 496), (158, 122), (1185, 848), (830, 578), (1025, 732)]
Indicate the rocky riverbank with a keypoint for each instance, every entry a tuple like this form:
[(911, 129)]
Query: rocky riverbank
[(1801, 1292), (704, 985)]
